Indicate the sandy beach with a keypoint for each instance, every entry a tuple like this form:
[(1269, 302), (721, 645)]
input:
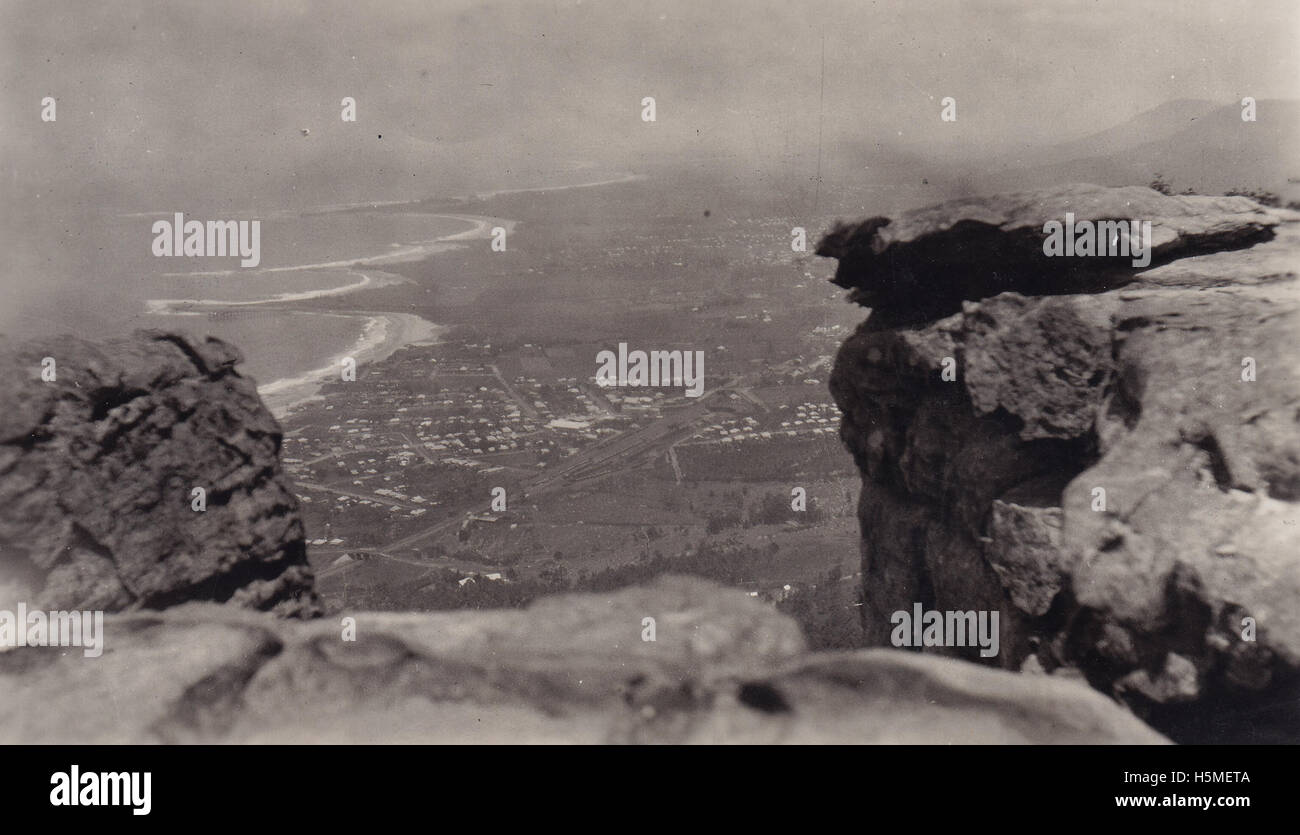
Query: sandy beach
[(480, 229), (183, 307), (625, 178), (381, 333), (381, 336)]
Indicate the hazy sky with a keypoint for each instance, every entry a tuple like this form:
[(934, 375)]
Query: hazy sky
[(159, 100)]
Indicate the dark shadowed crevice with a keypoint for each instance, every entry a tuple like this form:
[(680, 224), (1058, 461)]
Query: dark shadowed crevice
[(762, 697), (908, 282), (220, 588), (1218, 464), (105, 400)]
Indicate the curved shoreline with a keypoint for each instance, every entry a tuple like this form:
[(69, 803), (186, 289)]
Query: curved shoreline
[(181, 307), (382, 335), (480, 229), (626, 178)]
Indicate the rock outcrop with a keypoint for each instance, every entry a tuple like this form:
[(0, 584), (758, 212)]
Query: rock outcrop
[(1112, 458), (723, 668), (101, 449), (922, 264), (98, 465)]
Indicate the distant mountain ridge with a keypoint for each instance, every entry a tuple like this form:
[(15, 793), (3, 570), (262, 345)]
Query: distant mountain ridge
[(1189, 143), (1158, 123)]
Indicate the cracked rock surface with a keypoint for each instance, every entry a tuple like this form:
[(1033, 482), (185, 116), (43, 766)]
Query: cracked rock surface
[(573, 669), (98, 468), (982, 491), (922, 263), (96, 473)]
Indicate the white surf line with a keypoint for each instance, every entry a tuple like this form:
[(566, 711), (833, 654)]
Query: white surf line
[(373, 335), (168, 306), (334, 208), (626, 178), (330, 208), (480, 229), (481, 225), (477, 195), (383, 334)]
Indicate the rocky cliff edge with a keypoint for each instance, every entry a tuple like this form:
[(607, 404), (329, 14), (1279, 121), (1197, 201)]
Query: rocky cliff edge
[(1109, 456)]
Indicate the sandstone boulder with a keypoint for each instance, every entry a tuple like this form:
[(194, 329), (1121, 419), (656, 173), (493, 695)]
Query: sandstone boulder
[(924, 262), (723, 668), (1116, 471), (97, 471)]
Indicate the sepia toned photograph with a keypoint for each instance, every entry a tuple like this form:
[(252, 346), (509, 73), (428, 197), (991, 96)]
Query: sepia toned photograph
[(676, 372)]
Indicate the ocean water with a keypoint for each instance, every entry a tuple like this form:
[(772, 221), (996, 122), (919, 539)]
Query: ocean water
[(96, 276)]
